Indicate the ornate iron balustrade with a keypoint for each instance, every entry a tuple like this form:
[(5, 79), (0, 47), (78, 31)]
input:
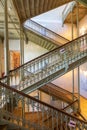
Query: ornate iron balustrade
[(28, 112), (56, 38), (49, 66)]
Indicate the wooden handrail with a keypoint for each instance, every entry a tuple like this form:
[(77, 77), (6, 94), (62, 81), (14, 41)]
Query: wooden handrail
[(70, 104), (41, 102)]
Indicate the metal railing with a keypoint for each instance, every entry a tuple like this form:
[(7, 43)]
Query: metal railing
[(49, 66), (68, 8), (56, 38), (28, 112)]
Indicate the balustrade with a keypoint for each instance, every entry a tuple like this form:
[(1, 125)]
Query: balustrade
[(49, 66), (28, 112), (29, 24)]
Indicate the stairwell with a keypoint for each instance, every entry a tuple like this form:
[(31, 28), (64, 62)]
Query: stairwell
[(44, 69), (55, 122)]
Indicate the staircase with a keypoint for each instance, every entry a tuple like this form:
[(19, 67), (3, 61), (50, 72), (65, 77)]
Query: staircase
[(32, 114), (58, 97), (43, 36), (35, 74), (56, 92), (44, 69)]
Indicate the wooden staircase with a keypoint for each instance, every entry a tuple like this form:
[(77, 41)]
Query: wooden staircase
[(56, 91), (70, 103)]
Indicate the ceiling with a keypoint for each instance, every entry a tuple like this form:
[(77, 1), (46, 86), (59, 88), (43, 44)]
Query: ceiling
[(21, 10), (13, 21), (29, 8)]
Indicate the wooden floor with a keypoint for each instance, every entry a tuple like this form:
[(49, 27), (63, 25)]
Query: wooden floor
[(83, 105)]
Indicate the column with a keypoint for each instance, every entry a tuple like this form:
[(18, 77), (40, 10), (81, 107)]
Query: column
[(72, 31), (79, 89), (21, 45), (21, 51), (77, 17), (6, 38)]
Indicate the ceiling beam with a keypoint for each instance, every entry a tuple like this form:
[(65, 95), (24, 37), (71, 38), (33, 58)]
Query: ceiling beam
[(10, 22), (10, 18)]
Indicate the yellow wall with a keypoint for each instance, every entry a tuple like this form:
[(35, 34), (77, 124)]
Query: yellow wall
[(1, 58)]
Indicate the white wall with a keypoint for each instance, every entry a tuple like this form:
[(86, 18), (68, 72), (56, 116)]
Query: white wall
[(32, 51), (65, 81), (83, 80), (53, 21), (14, 45)]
